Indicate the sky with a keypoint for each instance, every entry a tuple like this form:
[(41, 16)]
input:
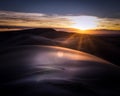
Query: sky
[(59, 13)]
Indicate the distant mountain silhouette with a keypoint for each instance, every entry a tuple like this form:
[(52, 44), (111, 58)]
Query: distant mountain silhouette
[(47, 32), (30, 37)]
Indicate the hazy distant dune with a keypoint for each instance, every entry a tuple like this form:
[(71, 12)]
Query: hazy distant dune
[(104, 46)]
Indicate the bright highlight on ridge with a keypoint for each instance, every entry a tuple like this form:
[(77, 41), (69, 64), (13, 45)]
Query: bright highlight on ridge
[(85, 22)]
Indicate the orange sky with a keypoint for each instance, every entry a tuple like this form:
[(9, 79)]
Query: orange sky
[(55, 21)]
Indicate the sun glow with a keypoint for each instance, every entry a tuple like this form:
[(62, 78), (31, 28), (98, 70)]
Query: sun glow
[(85, 22)]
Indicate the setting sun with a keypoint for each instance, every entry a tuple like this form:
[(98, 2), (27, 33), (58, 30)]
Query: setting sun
[(85, 22)]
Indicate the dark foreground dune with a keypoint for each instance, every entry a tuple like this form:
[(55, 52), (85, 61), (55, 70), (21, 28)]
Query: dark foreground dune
[(55, 71), (32, 65)]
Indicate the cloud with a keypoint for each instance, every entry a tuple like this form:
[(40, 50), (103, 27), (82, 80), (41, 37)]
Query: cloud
[(109, 23), (9, 18), (32, 19)]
